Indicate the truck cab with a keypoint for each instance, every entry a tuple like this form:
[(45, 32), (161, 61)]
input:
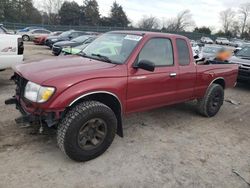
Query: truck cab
[(11, 50)]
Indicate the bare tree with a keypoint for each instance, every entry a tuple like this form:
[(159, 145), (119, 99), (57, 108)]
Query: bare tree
[(181, 22), (227, 17), (51, 7), (150, 22), (235, 28), (244, 11)]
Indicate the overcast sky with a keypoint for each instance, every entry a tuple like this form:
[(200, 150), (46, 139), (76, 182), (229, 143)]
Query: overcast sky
[(205, 12)]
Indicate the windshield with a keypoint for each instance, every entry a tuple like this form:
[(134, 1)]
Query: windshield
[(244, 52), (81, 47), (80, 39), (115, 46), (212, 50)]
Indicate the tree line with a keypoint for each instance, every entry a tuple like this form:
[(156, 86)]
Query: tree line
[(236, 23), (61, 12), (54, 12)]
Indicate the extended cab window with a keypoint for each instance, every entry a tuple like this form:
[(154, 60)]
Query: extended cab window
[(183, 52), (159, 51)]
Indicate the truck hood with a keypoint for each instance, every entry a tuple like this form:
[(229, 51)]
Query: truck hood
[(69, 70)]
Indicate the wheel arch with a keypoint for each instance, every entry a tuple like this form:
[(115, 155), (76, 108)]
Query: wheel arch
[(107, 98), (220, 81)]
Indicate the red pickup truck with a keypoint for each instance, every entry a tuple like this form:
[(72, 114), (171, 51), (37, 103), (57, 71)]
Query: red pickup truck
[(86, 96)]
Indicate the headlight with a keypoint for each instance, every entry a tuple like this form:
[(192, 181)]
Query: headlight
[(37, 93), (54, 40)]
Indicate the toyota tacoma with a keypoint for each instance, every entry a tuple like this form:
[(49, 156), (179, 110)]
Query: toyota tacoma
[(121, 72)]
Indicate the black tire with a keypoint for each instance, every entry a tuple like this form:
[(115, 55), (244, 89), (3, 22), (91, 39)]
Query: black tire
[(25, 38), (210, 105), (70, 128)]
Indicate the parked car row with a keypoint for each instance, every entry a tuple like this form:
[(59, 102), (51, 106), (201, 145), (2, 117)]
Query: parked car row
[(59, 41), (224, 41)]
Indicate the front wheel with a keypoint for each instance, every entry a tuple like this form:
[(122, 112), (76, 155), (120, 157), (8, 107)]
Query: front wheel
[(87, 131), (211, 103)]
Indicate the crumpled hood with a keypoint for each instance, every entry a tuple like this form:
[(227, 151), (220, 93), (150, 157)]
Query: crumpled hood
[(69, 70)]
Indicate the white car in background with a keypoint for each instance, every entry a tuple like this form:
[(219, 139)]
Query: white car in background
[(206, 40), (11, 50), (195, 48), (223, 41)]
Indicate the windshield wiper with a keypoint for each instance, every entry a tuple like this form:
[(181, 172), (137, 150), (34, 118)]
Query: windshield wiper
[(82, 54), (104, 58)]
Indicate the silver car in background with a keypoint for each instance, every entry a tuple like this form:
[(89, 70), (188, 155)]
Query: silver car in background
[(30, 35)]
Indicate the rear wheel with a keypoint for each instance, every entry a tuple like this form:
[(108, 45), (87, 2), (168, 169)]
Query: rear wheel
[(25, 38), (210, 105), (87, 131)]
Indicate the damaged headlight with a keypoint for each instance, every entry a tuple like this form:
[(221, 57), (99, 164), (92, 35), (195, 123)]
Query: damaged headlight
[(37, 93)]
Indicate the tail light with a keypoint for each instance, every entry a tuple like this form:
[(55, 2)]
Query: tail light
[(20, 46)]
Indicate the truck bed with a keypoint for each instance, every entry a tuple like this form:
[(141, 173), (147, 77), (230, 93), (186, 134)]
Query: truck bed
[(206, 73)]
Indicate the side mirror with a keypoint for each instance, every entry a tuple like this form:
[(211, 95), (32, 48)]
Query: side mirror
[(146, 65)]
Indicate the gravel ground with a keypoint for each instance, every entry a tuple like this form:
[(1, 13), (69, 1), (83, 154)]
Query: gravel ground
[(166, 147)]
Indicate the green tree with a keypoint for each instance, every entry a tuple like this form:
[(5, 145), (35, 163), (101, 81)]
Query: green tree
[(29, 13), (70, 13), (91, 12), (19, 11), (117, 16), (204, 30)]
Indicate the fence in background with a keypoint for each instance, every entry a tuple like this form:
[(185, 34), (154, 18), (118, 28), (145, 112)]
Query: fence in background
[(101, 29)]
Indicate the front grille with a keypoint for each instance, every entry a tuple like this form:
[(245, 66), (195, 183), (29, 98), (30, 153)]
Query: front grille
[(244, 67), (20, 85)]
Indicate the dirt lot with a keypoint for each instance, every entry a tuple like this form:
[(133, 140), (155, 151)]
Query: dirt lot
[(167, 147)]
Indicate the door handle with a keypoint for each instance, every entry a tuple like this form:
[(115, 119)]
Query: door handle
[(173, 74)]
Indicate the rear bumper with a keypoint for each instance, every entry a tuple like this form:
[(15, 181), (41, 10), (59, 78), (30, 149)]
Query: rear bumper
[(38, 41)]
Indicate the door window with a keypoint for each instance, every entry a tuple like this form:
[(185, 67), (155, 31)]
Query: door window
[(183, 52), (158, 51)]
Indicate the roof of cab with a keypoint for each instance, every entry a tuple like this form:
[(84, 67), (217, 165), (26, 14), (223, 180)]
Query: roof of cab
[(142, 33)]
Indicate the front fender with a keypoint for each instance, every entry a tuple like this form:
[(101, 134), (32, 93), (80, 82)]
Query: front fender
[(116, 86)]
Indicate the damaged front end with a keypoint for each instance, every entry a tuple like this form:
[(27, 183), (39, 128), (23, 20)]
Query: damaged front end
[(32, 113)]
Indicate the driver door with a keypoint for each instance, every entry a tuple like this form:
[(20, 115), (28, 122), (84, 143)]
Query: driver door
[(147, 90)]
